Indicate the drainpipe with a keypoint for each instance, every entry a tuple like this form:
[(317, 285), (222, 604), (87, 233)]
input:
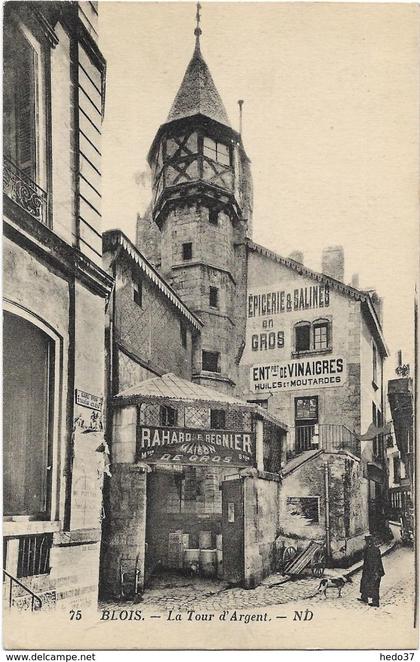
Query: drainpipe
[(71, 366), (259, 443), (327, 511)]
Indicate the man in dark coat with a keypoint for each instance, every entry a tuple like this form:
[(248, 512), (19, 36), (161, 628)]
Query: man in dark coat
[(373, 571)]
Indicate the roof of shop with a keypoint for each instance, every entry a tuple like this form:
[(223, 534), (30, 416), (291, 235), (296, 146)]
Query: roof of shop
[(171, 387), (358, 295), (114, 238)]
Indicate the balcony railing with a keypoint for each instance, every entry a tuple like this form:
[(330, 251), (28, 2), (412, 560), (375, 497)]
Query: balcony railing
[(328, 437), (24, 192)]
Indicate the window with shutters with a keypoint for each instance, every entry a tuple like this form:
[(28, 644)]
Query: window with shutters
[(27, 409), (24, 120), (312, 337), (302, 337), (374, 366)]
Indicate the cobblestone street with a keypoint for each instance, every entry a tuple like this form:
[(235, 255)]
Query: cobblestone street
[(397, 588)]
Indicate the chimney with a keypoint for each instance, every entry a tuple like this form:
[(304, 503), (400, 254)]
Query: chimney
[(297, 256), (355, 281), (333, 262)]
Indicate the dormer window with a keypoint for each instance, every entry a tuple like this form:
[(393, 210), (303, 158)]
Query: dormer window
[(216, 151)]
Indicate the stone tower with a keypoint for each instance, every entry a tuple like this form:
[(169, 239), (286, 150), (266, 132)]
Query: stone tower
[(202, 205)]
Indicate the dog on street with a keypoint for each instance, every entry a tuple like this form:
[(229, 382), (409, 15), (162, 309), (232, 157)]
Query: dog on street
[(332, 583)]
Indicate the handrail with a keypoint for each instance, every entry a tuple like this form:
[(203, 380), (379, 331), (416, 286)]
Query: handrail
[(28, 590), (326, 436)]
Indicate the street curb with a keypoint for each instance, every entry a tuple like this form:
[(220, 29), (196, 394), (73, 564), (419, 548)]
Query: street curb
[(359, 565)]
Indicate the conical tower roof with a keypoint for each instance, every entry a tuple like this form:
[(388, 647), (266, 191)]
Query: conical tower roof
[(198, 93)]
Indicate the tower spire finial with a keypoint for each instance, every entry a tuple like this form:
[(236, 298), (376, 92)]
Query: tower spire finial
[(197, 30)]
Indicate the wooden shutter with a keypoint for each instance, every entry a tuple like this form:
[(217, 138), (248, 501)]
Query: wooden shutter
[(26, 93)]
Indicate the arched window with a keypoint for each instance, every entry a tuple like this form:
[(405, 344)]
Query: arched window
[(28, 366), (302, 336)]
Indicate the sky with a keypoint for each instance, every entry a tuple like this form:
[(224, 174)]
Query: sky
[(330, 124)]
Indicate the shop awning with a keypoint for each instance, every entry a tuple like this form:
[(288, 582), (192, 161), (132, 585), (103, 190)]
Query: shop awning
[(170, 387)]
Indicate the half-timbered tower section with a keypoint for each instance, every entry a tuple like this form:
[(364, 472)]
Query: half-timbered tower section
[(202, 207)]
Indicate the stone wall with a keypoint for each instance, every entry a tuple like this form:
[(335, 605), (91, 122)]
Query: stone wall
[(261, 528), (211, 244), (130, 372), (215, 263), (72, 581), (150, 332), (124, 526), (348, 504)]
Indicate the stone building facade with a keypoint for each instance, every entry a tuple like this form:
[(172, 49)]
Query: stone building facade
[(313, 356), (55, 293)]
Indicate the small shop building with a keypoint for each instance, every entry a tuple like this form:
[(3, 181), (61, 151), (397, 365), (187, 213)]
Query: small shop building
[(195, 484)]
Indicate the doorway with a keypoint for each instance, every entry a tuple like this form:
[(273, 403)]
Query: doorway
[(306, 423), (194, 526), (233, 531)]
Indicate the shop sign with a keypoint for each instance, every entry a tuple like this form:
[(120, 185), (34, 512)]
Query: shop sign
[(88, 400), (264, 303), (298, 375), (170, 445)]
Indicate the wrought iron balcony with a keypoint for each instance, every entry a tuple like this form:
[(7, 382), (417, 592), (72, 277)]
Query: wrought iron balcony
[(24, 192), (328, 437)]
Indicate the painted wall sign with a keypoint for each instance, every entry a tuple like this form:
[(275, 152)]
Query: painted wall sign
[(88, 400), (266, 340), (298, 374), (195, 446), (284, 301)]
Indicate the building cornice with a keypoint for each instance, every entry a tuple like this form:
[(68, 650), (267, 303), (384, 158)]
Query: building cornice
[(62, 256), (201, 263), (114, 238)]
